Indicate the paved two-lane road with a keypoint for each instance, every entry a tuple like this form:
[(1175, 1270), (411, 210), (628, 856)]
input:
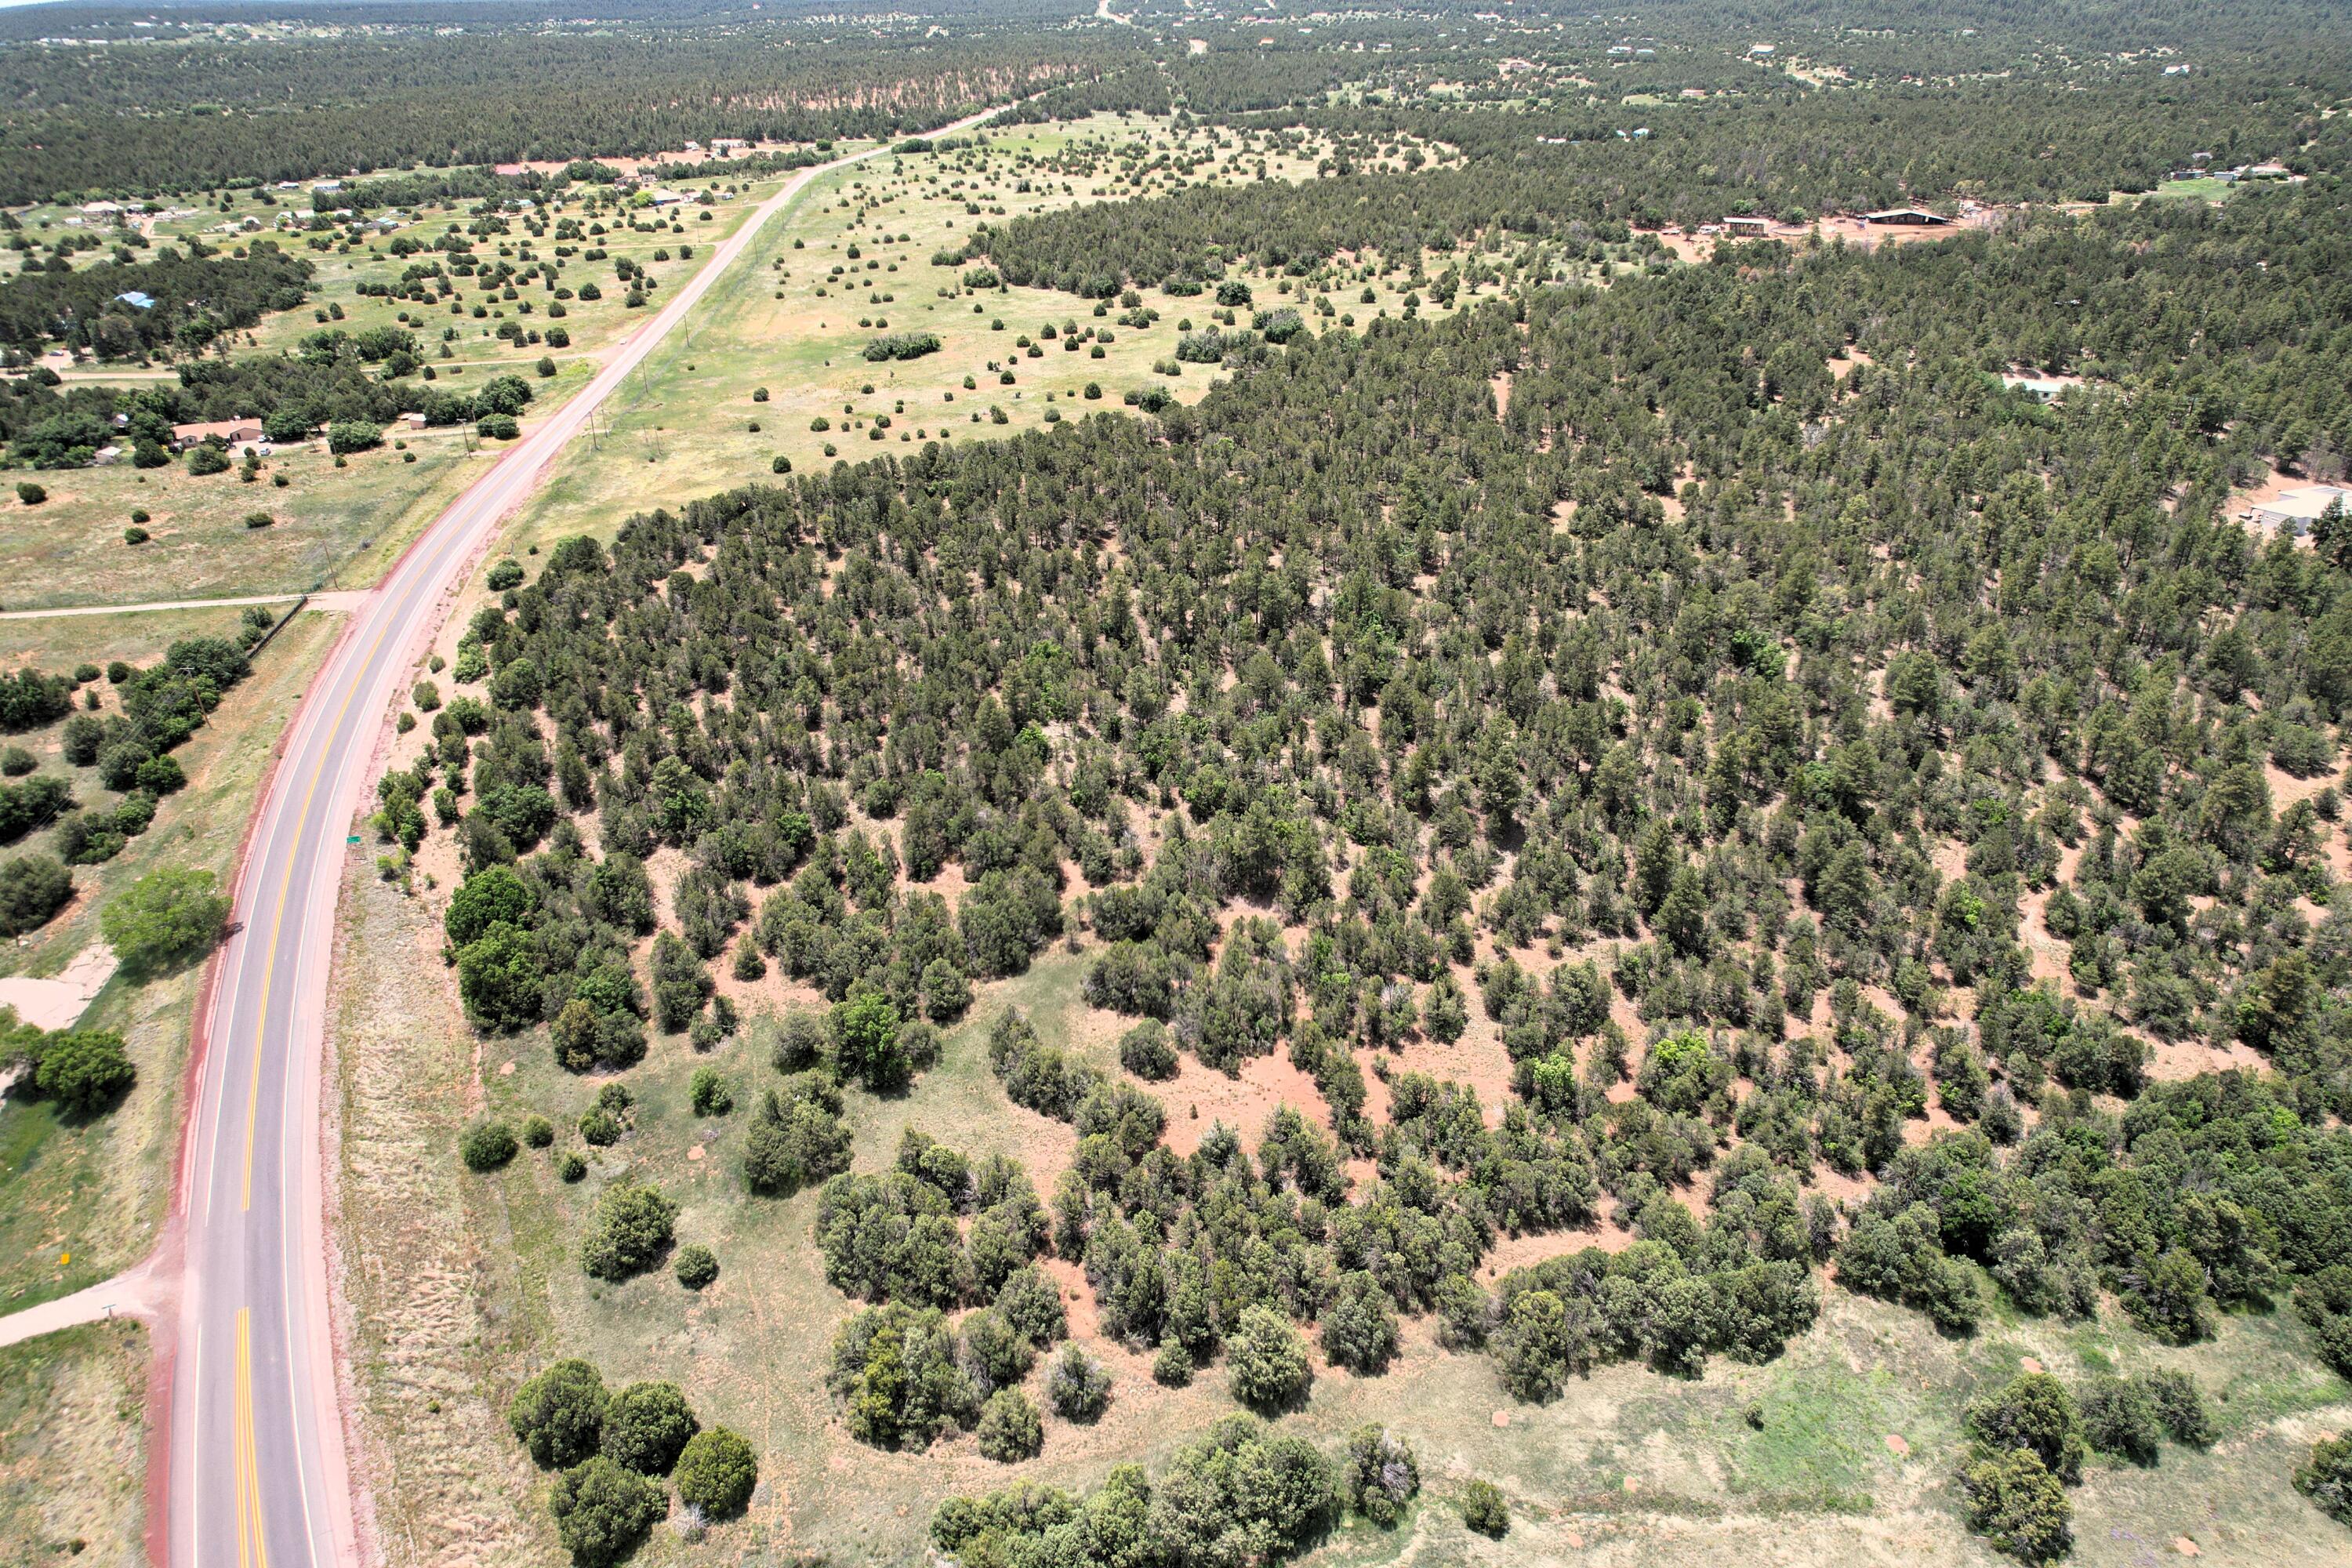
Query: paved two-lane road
[(257, 1473)]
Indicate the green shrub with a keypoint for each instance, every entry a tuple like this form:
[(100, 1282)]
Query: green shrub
[(487, 1144), (352, 436), (629, 1232), (717, 1474), (2036, 1413), (2013, 1501), (647, 1425), (537, 1131), (696, 1266), (165, 920), (1010, 1429), (1484, 1509), (994, 1352), (2326, 1478), (1172, 1367), (2181, 1407), (1266, 1361), (1147, 1052), (1078, 1387), (30, 493), (559, 1414), (708, 1092), (1360, 1326), (1032, 1305), (1380, 1476), (602, 1512), (85, 1071), (33, 888)]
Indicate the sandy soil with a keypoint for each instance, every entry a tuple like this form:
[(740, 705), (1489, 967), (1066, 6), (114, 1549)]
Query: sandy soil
[(58, 1004)]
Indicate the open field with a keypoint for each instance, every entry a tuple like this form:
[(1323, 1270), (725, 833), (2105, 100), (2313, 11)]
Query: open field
[(80, 1200), (657, 240), (2206, 188), (72, 1434), (332, 527), (340, 525), (61, 642), (790, 325)]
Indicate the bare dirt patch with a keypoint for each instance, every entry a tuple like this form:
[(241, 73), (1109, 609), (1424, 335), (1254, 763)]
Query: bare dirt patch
[(1199, 1098)]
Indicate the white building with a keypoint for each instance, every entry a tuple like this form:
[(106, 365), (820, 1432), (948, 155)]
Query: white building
[(2293, 511)]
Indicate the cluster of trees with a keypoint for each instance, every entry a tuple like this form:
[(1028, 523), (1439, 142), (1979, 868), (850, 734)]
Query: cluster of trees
[(130, 752), (1740, 1285), (903, 1235), (903, 345), (196, 298), (1242, 1493), (2030, 1439), (352, 385), (906, 1376), (618, 1453), (84, 1071)]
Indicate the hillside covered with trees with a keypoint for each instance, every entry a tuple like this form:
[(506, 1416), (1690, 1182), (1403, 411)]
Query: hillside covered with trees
[(1817, 759)]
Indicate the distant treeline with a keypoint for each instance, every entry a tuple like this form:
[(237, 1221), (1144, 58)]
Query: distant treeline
[(1581, 173), (126, 120)]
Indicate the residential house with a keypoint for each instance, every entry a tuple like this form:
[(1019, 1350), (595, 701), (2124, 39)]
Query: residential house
[(2293, 511), (236, 432)]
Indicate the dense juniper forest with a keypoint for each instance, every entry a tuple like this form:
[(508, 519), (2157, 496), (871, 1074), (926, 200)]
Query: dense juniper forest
[(93, 100), (1893, 822), (1816, 757)]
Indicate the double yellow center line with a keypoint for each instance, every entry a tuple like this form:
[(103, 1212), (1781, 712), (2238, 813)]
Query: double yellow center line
[(285, 896), (252, 1540)]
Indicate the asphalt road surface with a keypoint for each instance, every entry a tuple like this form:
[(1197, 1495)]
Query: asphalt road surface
[(256, 1474)]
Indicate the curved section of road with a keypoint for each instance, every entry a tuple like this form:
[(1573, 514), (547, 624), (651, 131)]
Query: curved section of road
[(255, 1472)]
